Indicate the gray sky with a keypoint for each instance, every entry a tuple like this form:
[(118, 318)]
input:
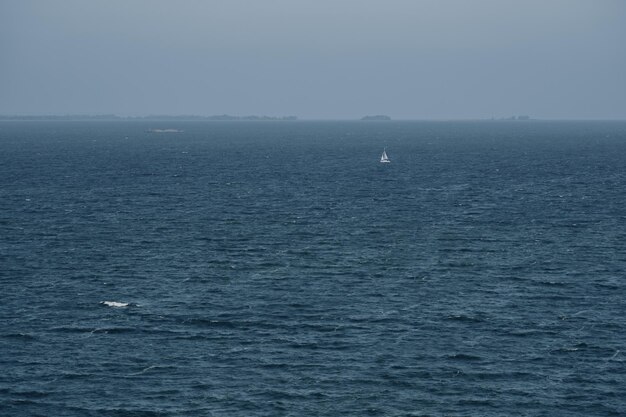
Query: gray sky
[(413, 59)]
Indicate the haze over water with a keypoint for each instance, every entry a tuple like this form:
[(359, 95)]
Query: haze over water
[(424, 59)]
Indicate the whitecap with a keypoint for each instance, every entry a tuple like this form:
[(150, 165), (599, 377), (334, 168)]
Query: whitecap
[(114, 304)]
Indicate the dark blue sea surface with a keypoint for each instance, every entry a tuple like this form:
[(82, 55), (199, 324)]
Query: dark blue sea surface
[(278, 269)]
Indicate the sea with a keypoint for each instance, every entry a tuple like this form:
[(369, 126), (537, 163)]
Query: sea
[(277, 268)]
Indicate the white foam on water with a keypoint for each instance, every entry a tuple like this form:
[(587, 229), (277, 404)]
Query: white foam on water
[(114, 304)]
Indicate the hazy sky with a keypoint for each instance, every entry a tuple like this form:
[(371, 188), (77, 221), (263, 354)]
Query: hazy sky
[(315, 58)]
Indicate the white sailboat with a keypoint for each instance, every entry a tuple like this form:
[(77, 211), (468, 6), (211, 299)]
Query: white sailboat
[(384, 158)]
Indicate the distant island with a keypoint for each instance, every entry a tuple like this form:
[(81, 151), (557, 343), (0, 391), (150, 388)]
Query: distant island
[(150, 117), (377, 117)]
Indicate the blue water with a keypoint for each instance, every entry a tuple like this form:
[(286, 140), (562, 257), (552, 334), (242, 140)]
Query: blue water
[(278, 269)]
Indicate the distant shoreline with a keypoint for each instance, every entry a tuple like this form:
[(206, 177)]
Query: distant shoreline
[(218, 118), (113, 117)]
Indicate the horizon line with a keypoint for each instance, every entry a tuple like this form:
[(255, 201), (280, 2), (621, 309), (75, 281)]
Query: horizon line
[(252, 117)]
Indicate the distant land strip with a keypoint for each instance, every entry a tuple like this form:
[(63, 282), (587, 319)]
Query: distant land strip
[(150, 117)]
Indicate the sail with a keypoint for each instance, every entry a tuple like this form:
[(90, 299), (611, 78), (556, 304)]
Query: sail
[(384, 157)]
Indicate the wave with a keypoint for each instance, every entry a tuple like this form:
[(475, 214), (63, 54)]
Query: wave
[(19, 336), (115, 304), (152, 368), (94, 330), (464, 357), (465, 318)]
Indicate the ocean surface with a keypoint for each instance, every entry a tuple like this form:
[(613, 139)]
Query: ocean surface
[(278, 269)]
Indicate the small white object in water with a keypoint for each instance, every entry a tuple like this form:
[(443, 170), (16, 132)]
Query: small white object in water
[(114, 304)]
